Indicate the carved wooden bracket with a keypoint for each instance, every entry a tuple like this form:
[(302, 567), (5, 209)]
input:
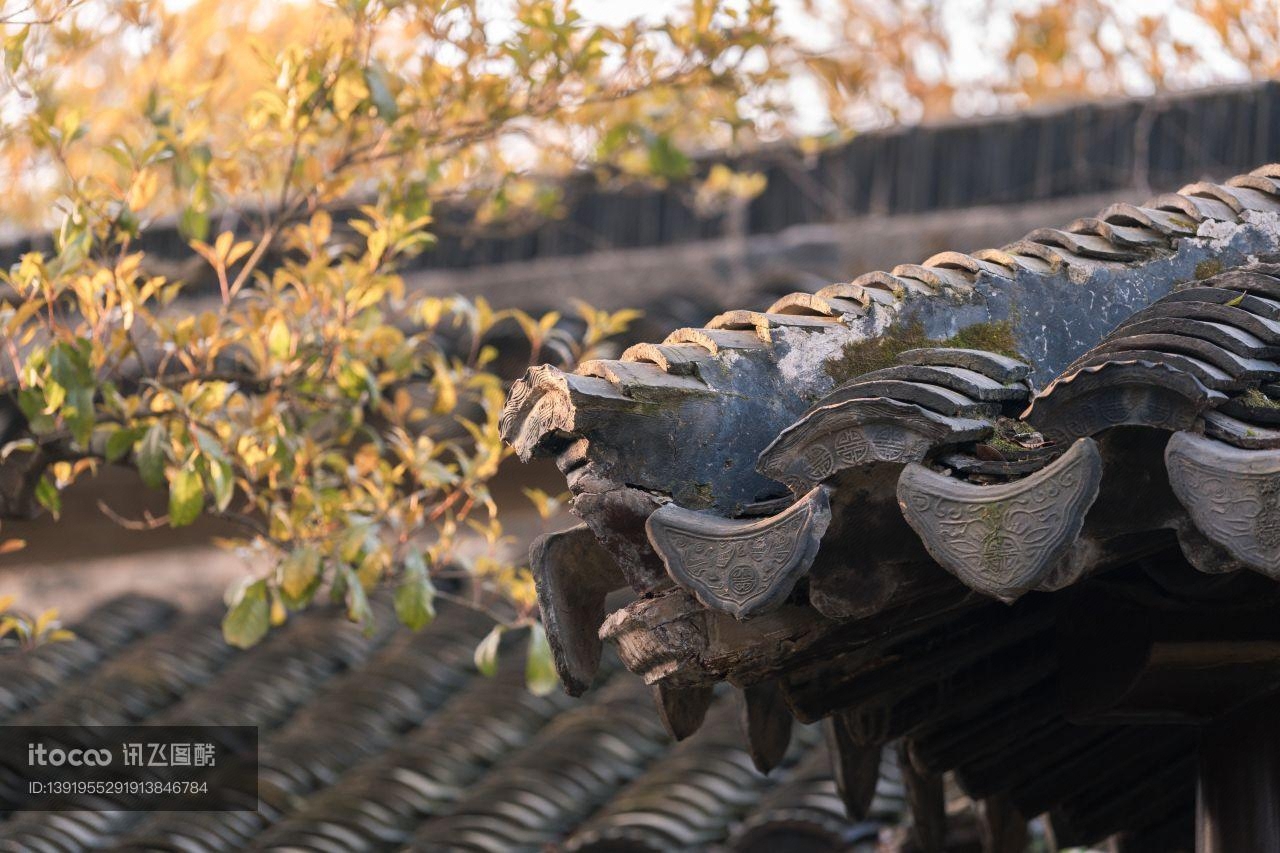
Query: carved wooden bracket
[(740, 567), (1232, 495), (1003, 540), (927, 800), (682, 709), (855, 767), (573, 574), (766, 721)]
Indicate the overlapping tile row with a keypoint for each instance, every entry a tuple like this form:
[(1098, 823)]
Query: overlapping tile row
[(409, 746), (1204, 365), (380, 803), (808, 806), (356, 715), (142, 679), (25, 679), (263, 687), (690, 798), (570, 769)]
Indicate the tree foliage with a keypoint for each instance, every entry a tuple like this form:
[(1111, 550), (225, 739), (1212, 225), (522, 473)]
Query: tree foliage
[(888, 61), (345, 423)]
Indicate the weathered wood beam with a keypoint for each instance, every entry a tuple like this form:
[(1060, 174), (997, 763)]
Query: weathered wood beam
[(926, 798), (1097, 767), (766, 722), (952, 740), (1166, 790), (682, 709), (895, 666), (854, 766)]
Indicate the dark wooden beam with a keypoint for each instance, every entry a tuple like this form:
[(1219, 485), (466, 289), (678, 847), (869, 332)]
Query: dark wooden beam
[(1001, 826), (1163, 661), (927, 800), (1238, 796)]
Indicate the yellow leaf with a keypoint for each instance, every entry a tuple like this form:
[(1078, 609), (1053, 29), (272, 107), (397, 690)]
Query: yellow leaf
[(238, 251), (46, 619), (143, 190), (348, 93)]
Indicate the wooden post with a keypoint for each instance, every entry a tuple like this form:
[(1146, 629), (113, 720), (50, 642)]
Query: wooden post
[(1238, 799)]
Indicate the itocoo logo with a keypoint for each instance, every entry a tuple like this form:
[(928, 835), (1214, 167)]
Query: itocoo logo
[(38, 755)]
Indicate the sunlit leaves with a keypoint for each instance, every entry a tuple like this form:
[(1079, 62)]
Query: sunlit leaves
[(540, 669), (345, 424), (249, 617), (415, 596), (186, 497), (299, 575), (486, 654), (152, 456), (26, 630)]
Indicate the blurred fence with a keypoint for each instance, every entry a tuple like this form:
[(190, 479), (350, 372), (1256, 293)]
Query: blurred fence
[(1155, 143)]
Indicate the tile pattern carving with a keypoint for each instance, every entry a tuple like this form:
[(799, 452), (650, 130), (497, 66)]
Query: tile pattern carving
[(740, 567), (1003, 540), (1232, 495)]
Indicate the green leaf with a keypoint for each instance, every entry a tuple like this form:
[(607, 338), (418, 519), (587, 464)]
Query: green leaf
[(120, 442), (539, 667), (358, 609), (249, 617), (415, 597), (78, 414), (375, 77), (55, 394), (69, 367), (222, 482), (47, 495), (152, 456), (13, 49), (186, 497), (487, 651), (194, 224), (300, 575), (666, 160), (279, 340)]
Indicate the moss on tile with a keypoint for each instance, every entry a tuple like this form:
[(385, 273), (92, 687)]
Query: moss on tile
[(1255, 399), (994, 337), (1208, 269), (859, 357)]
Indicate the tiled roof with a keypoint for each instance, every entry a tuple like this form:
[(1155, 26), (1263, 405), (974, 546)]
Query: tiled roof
[(1016, 510), (393, 742)]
